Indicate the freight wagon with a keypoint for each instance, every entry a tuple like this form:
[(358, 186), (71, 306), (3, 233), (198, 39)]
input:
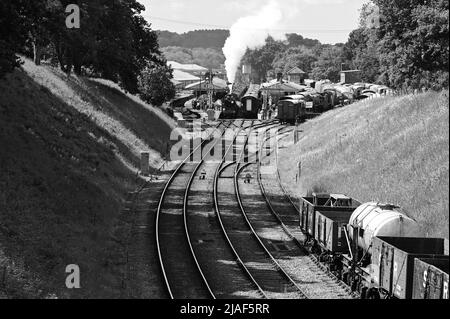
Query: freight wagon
[(373, 247), (431, 278), (330, 235), (323, 203), (392, 270)]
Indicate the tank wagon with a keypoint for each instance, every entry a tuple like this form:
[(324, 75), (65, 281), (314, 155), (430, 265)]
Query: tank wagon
[(375, 248), (251, 102)]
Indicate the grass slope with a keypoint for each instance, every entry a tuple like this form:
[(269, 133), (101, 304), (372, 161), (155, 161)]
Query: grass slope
[(68, 147), (138, 126), (393, 150)]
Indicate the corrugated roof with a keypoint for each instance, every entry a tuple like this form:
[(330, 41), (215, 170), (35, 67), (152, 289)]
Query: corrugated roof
[(218, 84), (184, 76), (186, 67), (283, 86)]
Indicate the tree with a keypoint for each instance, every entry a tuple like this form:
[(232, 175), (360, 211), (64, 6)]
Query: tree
[(328, 65), (209, 58), (301, 57), (413, 42), (263, 58), (11, 36), (296, 40), (362, 53), (155, 84)]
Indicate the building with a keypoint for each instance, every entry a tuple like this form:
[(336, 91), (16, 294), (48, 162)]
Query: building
[(296, 75), (193, 69), (276, 89), (186, 74), (350, 76), (183, 79)]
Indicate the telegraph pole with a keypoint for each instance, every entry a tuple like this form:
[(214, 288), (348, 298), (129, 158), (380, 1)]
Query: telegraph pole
[(210, 88)]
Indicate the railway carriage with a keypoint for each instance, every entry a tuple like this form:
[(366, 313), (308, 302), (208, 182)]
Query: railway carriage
[(291, 109), (251, 102)]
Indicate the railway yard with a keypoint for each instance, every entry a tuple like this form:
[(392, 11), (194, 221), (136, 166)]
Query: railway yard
[(225, 237), (224, 227)]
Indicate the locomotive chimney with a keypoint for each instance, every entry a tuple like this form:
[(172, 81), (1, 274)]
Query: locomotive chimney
[(279, 77)]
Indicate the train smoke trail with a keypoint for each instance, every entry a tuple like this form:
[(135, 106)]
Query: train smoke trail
[(251, 32)]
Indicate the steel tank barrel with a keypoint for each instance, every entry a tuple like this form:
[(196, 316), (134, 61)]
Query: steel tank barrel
[(374, 219)]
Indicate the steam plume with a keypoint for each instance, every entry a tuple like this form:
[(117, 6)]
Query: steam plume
[(251, 32)]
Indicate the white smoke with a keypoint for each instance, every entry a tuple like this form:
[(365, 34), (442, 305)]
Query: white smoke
[(251, 32)]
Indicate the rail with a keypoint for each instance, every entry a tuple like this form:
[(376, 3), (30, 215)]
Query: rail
[(158, 215), (280, 269)]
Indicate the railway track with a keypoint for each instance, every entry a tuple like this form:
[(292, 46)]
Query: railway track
[(211, 248), (194, 247), (186, 272), (311, 275), (182, 274), (260, 266)]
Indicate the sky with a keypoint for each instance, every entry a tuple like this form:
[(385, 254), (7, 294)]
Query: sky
[(329, 21)]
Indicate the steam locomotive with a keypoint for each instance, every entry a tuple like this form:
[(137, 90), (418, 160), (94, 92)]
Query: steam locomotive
[(246, 107)]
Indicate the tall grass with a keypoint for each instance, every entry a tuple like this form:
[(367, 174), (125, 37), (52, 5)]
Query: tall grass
[(138, 126), (393, 149)]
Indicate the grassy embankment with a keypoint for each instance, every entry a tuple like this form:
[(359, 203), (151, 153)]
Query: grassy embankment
[(69, 149), (394, 149)]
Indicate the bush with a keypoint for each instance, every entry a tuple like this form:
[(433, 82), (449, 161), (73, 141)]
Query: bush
[(155, 85)]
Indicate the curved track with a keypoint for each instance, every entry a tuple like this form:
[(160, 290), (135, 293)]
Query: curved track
[(257, 262), (225, 278), (313, 277), (181, 259), (182, 274), (230, 256)]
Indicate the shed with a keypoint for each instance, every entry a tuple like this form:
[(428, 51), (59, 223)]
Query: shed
[(296, 75), (193, 69), (218, 85), (183, 78), (350, 76)]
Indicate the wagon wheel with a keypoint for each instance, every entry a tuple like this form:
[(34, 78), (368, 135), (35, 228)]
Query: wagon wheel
[(373, 293), (364, 291)]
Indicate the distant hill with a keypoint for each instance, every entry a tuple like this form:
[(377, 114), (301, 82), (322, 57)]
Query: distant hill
[(204, 47), (214, 39)]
